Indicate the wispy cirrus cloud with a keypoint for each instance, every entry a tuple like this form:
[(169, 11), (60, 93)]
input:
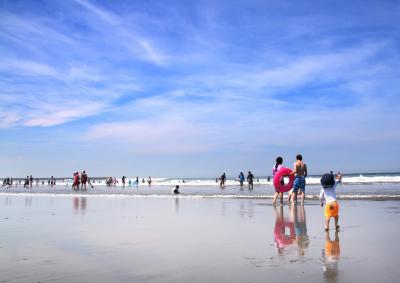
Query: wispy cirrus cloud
[(138, 44)]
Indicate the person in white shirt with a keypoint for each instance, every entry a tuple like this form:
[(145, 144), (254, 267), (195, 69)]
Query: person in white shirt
[(328, 195)]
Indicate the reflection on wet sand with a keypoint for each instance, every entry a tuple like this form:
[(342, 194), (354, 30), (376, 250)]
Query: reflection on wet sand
[(28, 201), (79, 204), (176, 201), (330, 257), (291, 230), (298, 214)]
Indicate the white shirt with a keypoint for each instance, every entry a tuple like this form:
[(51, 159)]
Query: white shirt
[(329, 194)]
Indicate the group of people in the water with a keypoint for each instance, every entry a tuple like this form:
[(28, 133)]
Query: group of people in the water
[(241, 178), (26, 182), (79, 181)]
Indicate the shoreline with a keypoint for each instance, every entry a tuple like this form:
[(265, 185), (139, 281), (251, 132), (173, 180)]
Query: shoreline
[(183, 196)]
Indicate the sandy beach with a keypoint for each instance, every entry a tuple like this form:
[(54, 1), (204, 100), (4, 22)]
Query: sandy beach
[(123, 239)]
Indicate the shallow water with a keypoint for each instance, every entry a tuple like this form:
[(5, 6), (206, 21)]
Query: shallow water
[(102, 239), (347, 191)]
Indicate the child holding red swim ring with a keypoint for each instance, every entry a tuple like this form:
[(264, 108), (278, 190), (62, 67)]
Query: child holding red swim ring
[(278, 165)]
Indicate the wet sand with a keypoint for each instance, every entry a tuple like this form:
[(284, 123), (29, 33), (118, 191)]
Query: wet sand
[(102, 239)]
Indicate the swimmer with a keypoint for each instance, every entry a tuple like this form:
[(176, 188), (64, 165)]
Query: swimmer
[(250, 178), (176, 190), (241, 179), (123, 181), (222, 179), (84, 179)]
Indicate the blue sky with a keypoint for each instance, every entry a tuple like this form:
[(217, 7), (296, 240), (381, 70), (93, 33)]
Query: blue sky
[(195, 88)]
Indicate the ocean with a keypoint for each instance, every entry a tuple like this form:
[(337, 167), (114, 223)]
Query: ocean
[(375, 186)]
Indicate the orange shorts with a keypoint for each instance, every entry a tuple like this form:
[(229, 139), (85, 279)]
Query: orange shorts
[(331, 209)]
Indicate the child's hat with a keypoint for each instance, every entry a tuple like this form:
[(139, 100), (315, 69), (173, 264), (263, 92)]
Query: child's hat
[(327, 180)]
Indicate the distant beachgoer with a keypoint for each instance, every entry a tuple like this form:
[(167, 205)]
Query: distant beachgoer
[(77, 181), (30, 181), (328, 195), (74, 181), (37, 182), (52, 181), (78, 178), (149, 181), (216, 180), (222, 180), (241, 179), (137, 181), (250, 178), (84, 179), (90, 183), (123, 181), (300, 170), (176, 190), (26, 183), (130, 182), (278, 166), (268, 179), (143, 181)]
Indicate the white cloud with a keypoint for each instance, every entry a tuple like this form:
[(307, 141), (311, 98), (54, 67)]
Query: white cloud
[(64, 114), (138, 44), (28, 67), (160, 135)]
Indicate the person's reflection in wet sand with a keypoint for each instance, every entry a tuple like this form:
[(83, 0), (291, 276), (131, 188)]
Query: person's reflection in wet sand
[(176, 205), (75, 202), (330, 258), (250, 205), (79, 204), (28, 201), (7, 201), (83, 204), (284, 231), (298, 215)]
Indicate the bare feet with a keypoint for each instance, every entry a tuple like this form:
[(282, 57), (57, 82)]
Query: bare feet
[(326, 229), (337, 227)]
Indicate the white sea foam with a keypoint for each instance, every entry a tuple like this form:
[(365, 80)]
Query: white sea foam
[(311, 180)]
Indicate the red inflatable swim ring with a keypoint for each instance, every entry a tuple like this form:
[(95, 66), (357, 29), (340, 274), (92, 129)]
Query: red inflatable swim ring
[(283, 172)]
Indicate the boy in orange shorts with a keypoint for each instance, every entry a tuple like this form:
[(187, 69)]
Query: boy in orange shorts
[(328, 194)]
